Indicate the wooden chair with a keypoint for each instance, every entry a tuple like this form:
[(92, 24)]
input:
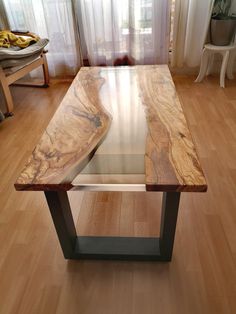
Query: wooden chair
[(12, 70)]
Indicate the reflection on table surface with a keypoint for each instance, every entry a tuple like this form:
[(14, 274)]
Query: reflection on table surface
[(120, 157)]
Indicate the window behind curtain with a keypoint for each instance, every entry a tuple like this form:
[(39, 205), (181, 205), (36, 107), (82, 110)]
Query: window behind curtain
[(51, 19), (137, 28)]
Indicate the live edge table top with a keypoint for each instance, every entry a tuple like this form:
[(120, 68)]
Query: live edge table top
[(116, 127)]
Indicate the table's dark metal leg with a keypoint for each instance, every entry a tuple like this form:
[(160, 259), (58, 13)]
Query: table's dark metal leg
[(123, 248), (169, 214), (59, 206)]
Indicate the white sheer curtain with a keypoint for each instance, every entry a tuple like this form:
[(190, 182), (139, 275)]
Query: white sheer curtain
[(52, 19), (136, 28), (3, 17), (191, 22)]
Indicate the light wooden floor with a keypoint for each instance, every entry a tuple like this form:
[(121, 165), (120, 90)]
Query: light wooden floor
[(35, 278)]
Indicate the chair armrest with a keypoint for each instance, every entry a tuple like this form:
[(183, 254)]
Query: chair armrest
[(19, 32), (25, 33)]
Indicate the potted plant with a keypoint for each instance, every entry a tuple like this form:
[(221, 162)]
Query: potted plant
[(223, 24)]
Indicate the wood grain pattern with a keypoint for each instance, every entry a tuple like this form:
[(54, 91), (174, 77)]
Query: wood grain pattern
[(81, 123), (77, 127), (171, 159)]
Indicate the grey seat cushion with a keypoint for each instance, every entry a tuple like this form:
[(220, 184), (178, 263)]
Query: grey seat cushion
[(20, 62), (15, 56)]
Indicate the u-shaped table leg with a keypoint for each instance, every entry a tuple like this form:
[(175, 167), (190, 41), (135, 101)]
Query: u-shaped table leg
[(106, 247)]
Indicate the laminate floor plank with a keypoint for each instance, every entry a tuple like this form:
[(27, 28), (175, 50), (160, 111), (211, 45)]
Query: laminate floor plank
[(201, 279)]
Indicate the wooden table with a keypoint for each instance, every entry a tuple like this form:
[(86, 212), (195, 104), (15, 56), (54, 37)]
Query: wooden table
[(117, 129)]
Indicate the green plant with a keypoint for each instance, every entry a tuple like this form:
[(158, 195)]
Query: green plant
[(221, 9)]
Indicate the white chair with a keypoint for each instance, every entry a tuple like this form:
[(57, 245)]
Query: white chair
[(228, 54)]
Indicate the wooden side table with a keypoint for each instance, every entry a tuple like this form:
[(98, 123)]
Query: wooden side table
[(228, 54)]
